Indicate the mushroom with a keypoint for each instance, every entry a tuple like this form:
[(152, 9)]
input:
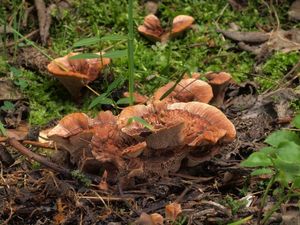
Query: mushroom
[(219, 83), (76, 73), (188, 89), (180, 24), (138, 98), (73, 134), (152, 29)]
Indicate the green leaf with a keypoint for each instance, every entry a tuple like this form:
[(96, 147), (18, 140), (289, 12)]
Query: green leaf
[(21, 83), (296, 121), (290, 169), (114, 37), (296, 182), (123, 101), (289, 152), (7, 106), (242, 221), (257, 159), (16, 72), (2, 129), (115, 54), (87, 42), (95, 40), (277, 137), (141, 121), (115, 84), (85, 56), (262, 171), (101, 100)]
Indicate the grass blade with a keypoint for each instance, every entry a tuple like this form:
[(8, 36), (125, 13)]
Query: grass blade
[(85, 56), (141, 121), (115, 54), (86, 42), (130, 52), (173, 87)]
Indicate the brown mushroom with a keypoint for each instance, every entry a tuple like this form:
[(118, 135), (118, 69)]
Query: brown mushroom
[(73, 134), (151, 28), (186, 90), (180, 24), (76, 73), (216, 127), (138, 98), (219, 83)]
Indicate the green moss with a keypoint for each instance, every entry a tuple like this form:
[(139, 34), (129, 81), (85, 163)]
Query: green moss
[(276, 67)]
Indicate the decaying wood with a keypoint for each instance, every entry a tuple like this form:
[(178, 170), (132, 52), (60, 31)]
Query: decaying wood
[(44, 17), (248, 37)]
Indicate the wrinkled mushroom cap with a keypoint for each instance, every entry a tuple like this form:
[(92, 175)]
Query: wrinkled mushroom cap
[(71, 124), (186, 90), (151, 28), (180, 24), (75, 73), (218, 78), (222, 128)]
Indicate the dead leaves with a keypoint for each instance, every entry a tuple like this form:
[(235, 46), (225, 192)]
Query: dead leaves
[(261, 43), (172, 211)]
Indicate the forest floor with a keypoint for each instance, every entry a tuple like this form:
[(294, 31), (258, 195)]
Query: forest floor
[(262, 98)]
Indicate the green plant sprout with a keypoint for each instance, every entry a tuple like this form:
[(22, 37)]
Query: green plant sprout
[(281, 160)]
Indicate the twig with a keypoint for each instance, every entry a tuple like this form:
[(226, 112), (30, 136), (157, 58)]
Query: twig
[(41, 159), (26, 14), (44, 161), (39, 144), (27, 36)]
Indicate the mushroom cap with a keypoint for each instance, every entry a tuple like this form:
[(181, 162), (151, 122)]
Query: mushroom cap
[(138, 98), (186, 90), (71, 124), (133, 111), (151, 28), (134, 150), (218, 78), (181, 23), (221, 127), (75, 73)]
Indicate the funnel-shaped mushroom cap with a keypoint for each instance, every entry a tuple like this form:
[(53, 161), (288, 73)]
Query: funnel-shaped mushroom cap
[(218, 78), (70, 125), (151, 28), (219, 83), (186, 90), (180, 24), (75, 73), (218, 126), (134, 128)]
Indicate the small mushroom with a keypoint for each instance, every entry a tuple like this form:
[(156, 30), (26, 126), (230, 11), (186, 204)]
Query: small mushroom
[(219, 83), (180, 24), (76, 73), (186, 90), (151, 28)]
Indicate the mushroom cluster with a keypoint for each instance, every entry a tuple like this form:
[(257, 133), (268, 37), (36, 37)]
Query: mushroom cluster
[(152, 29), (182, 130)]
